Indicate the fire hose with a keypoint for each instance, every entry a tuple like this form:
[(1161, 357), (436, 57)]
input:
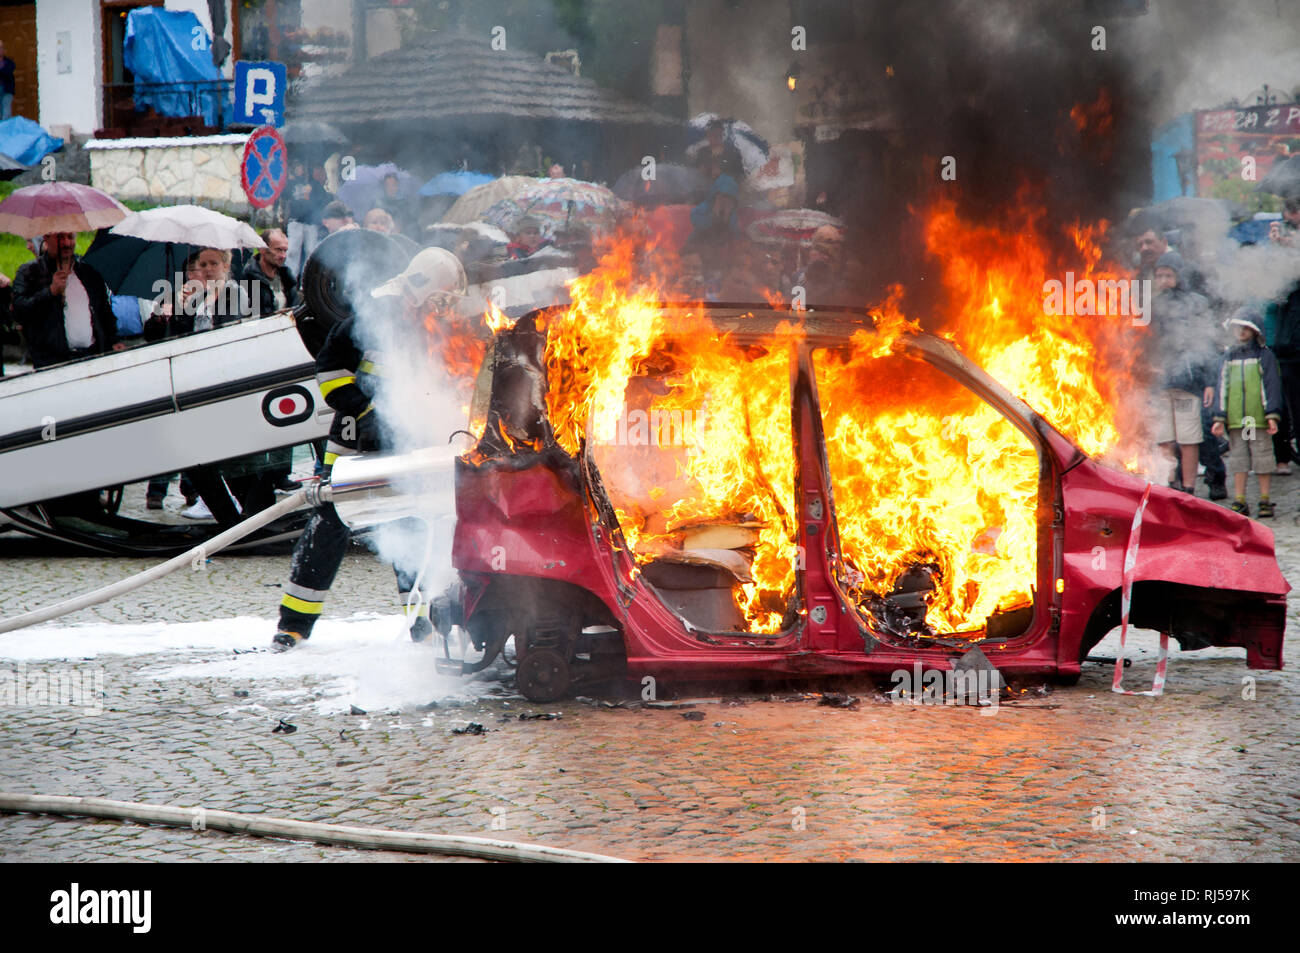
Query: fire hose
[(365, 490), (193, 557), (372, 838)]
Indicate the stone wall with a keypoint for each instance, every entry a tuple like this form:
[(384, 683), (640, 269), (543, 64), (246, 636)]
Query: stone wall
[(198, 170)]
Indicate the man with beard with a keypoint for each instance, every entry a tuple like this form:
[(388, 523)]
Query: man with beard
[(1151, 245), (350, 373), (62, 305)]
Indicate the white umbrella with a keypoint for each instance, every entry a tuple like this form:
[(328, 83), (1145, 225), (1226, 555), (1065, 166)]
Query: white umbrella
[(483, 230), (189, 225), (752, 147)]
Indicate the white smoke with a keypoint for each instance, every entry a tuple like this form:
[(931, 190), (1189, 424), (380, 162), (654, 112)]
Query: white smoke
[(1264, 272), (418, 406)]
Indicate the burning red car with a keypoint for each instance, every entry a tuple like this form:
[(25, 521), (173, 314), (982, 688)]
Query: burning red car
[(750, 493)]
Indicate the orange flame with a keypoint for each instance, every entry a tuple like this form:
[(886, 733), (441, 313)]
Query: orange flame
[(1093, 124), (458, 345), (496, 319)]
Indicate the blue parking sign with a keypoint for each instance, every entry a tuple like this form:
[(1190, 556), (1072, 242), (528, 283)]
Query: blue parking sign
[(259, 93)]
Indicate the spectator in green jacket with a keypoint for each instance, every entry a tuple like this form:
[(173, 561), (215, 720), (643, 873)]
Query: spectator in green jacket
[(1249, 395)]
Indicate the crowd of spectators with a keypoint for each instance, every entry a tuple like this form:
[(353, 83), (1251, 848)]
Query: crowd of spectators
[(1225, 374), (65, 312)]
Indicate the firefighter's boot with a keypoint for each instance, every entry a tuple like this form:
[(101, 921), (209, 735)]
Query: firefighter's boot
[(285, 640)]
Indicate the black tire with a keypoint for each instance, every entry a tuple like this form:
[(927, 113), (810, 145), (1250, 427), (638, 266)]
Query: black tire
[(347, 263), (542, 675)]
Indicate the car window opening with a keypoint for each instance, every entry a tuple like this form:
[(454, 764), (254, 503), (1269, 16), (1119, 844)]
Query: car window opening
[(935, 497), (698, 463)]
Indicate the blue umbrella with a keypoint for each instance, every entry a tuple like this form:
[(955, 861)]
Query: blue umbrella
[(1252, 232), (454, 183)]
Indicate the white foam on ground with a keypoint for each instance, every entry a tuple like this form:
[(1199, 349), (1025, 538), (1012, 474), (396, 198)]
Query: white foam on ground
[(367, 660)]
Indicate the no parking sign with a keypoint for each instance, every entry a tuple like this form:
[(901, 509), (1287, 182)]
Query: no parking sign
[(265, 168)]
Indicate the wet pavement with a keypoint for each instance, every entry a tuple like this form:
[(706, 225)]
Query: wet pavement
[(1210, 771)]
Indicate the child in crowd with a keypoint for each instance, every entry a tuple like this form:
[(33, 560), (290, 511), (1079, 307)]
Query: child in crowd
[(1249, 393)]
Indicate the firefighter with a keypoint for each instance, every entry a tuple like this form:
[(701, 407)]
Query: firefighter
[(348, 375)]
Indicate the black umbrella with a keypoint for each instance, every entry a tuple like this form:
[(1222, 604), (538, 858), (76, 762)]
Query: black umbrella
[(10, 168), (133, 266), (311, 132), (671, 185), (1283, 179)]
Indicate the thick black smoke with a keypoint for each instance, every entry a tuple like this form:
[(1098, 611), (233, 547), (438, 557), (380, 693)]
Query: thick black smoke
[(985, 90)]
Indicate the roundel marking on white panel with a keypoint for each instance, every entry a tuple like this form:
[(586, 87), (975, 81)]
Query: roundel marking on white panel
[(286, 406)]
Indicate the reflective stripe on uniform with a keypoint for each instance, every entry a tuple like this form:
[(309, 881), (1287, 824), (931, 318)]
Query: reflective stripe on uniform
[(301, 605), (420, 609), (302, 592), (331, 381), (371, 368), (335, 450)]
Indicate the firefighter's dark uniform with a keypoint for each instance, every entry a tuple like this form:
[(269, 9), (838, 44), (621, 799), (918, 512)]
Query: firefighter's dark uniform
[(348, 379)]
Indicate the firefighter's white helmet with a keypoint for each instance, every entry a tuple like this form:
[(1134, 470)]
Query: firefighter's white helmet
[(432, 271)]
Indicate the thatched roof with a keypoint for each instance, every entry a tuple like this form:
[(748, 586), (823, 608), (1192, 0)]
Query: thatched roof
[(456, 76)]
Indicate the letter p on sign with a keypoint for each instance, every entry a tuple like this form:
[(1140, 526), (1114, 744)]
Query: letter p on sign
[(259, 93), (259, 88)]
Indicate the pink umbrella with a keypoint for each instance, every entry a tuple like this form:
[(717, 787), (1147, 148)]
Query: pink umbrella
[(59, 207)]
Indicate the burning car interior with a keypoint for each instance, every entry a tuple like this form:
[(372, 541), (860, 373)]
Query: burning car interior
[(935, 511), (693, 446)]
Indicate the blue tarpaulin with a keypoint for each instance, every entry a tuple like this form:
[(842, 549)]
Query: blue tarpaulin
[(26, 141), (160, 47), (1169, 140)]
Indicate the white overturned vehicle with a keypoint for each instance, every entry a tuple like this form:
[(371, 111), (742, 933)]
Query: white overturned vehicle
[(73, 435)]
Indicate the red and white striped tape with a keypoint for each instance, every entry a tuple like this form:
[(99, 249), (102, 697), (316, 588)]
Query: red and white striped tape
[(1125, 600)]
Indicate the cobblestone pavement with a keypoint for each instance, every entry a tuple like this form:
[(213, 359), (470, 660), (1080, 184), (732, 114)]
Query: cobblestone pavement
[(1077, 774)]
